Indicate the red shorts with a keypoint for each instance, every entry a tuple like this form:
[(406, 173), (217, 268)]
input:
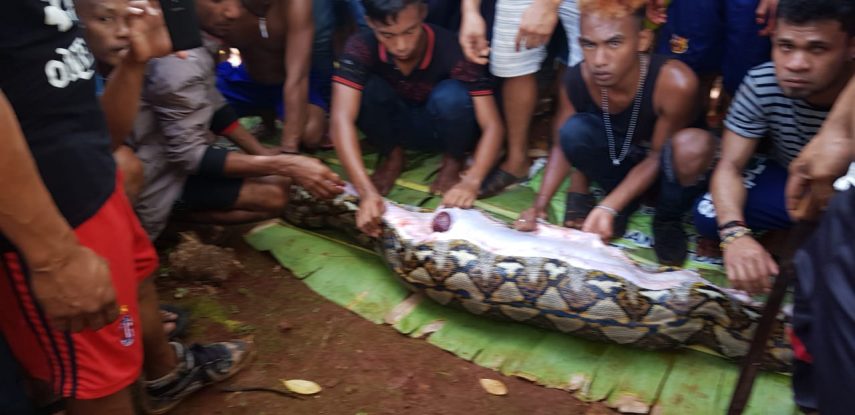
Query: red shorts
[(89, 364)]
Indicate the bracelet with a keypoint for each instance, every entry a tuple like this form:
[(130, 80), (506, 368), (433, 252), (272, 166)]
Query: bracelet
[(733, 235), (607, 209), (732, 224), (723, 234)]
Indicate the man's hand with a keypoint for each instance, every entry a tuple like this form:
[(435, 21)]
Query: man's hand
[(749, 267), (149, 37), (473, 38), (311, 174), (462, 195), (812, 174), (527, 222), (371, 209), (75, 290), (766, 14), (537, 24), (600, 222), (657, 11)]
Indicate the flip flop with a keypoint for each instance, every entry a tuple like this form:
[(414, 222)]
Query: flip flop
[(578, 206), (182, 318), (497, 181)]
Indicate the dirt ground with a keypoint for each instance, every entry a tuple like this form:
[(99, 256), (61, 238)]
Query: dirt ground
[(363, 368)]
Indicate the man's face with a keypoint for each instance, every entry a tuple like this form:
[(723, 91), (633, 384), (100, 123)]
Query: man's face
[(106, 26), (810, 58), (401, 37), (610, 46), (217, 16)]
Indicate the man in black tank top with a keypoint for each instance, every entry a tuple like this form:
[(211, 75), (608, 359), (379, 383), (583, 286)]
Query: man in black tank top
[(627, 117)]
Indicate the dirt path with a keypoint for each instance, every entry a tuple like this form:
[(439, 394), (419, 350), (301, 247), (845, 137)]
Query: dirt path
[(364, 368)]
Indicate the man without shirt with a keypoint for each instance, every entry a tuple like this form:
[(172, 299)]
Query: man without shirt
[(275, 42), (626, 116)]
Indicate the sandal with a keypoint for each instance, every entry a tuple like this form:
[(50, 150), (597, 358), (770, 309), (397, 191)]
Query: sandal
[(497, 181), (578, 206), (181, 320)]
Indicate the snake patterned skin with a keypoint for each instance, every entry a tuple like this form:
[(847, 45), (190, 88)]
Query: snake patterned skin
[(557, 278)]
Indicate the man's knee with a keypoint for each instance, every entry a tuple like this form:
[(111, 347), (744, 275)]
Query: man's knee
[(450, 100), (269, 194), (579, 135), (692, 151)]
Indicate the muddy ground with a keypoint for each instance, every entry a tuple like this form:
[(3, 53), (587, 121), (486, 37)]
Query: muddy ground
[(363, 368)]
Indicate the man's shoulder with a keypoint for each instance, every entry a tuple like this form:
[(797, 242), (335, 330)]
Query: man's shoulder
[(763, 81), (174, 72)]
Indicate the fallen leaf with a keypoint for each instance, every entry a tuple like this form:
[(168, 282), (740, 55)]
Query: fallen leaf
[(303, 387), (494, 387)]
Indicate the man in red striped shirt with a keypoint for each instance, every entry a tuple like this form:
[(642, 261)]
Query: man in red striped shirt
[(407, 85)]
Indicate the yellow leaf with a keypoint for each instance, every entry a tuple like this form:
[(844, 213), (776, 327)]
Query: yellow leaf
[(303, 387), (494, 387)]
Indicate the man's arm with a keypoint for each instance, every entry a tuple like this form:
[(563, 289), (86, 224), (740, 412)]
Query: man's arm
[(149, 38), (71, 282), (345, 110), (473, 32), (298, 50), (465, 192), (823, 160), (675, 99), (556, 170)]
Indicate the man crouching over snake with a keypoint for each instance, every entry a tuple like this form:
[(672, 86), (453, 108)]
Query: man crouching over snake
[(630, 122)]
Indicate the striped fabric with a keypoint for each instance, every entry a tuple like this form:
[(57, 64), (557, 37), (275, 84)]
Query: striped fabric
[(505, 61), (760, 109)]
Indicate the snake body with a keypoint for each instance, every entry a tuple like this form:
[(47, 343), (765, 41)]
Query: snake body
[(557, 278)]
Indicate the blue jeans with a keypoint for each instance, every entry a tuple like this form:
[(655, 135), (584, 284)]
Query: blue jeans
[(585, 145), (445, 123), (765, 204)]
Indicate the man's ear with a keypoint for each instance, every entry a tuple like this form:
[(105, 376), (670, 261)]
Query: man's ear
[(645, 40)]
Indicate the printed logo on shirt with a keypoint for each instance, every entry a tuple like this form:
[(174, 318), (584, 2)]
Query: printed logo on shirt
[(75, 63), (126, 326), (60, 13)]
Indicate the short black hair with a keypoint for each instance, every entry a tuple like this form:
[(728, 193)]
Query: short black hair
[(800, 12), (386, 10)]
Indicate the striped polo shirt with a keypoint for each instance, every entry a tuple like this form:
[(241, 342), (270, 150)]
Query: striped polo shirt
[(760, 109)]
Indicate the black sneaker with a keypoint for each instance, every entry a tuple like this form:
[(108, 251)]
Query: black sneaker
[(198, 366), (670, 242)]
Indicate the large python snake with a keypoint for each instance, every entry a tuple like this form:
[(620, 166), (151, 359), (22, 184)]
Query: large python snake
[(556, 278)]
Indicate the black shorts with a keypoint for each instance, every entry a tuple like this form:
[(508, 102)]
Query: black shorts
[(209, 193)]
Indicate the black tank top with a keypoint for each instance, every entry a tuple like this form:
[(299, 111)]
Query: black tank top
[(582, 101)]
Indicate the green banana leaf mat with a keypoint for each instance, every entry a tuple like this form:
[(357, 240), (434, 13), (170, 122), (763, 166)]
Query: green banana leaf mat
[(693, 382)]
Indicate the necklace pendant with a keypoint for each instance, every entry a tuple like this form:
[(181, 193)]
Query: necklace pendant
[(616, 162)]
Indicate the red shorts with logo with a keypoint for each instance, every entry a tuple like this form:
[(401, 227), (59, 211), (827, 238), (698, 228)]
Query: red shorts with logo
[(89, 364)]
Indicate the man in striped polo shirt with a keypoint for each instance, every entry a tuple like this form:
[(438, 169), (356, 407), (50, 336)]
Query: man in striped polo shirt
[(787, 101)]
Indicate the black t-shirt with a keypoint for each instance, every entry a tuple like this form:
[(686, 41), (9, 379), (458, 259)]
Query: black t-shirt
[(47, 73), (443, 59)]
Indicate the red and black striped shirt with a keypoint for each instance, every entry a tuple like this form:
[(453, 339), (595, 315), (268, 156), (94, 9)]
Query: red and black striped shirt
[(443, 59)]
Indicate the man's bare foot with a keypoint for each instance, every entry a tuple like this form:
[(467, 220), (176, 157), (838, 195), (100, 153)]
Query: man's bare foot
[(388, 171), (448, 176)]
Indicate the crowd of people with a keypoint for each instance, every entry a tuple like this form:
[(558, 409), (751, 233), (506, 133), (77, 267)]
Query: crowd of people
[(108, 134)]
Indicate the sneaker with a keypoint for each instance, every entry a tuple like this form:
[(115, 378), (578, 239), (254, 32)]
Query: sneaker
[(198, 366), (670, 242)]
